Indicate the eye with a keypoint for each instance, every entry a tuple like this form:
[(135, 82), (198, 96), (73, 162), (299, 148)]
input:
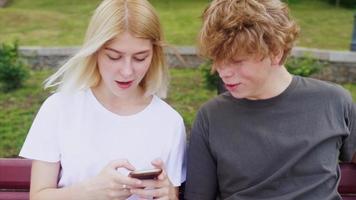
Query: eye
[(140, 59), (113, 57)]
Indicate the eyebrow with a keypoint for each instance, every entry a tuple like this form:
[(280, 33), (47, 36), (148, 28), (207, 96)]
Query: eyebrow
[(117, 51)]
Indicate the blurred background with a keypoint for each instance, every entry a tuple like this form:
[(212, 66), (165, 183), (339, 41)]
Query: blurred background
[(33, 26)]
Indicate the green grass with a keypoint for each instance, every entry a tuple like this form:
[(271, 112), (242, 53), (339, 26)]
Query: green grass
[(46, 22), (18, 108), (63, 23), (323, 25), (187, 93), (352, 88)]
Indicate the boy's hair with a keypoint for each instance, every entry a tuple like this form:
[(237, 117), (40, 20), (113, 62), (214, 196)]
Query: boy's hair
[(110, 19), (246, 27)]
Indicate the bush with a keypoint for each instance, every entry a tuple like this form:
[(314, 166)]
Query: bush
[(305, 66), (344, 3), (13, 71), (210, 79)]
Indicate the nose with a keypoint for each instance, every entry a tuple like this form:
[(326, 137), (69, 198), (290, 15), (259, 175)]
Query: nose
[(126, 69), (225, 72)]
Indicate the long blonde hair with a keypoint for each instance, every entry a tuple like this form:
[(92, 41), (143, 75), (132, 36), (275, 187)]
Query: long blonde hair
[(110, 19)]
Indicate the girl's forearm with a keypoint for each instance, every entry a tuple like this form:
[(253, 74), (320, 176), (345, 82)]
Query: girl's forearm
[(74, 192)]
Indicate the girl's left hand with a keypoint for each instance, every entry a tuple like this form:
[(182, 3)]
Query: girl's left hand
[(160, 188)]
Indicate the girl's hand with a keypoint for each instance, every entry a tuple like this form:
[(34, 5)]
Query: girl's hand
[(110, 184), (160, 188)]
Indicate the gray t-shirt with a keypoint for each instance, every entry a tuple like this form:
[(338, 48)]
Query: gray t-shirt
[(283, 148)]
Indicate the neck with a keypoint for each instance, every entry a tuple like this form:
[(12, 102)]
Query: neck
[(276, 83), (125, 104)]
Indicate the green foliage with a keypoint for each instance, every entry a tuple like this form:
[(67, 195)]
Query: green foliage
[(13, 71), (344, 3), (305, 66), (210, 79)]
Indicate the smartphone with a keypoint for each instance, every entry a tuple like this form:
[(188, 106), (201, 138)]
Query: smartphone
[(145, 174)]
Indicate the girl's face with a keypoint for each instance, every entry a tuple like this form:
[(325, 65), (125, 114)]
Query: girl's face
[(123, 63)]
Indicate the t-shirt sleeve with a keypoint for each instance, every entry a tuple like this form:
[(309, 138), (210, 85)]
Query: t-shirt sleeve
[(176, 163), (201, 166), (349, 143), (41, 142)]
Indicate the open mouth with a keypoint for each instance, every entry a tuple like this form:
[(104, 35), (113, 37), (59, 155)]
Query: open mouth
[(124, 84)]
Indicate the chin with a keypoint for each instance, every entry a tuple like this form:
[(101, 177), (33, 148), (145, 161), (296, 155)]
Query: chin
[(238, 96)]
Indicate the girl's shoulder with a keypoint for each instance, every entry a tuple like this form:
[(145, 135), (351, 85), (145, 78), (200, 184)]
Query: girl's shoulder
[(162, 108), (60, 99)]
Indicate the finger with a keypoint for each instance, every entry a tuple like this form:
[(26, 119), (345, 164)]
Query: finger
[(158, 163), (153, 184), (121, 163), (127, 182), (150, 193), (119, 194), (162, 198), (163, 176)]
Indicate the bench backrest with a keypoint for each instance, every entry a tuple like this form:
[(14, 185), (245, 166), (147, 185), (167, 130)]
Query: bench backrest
[(347, 186), (15, 179)]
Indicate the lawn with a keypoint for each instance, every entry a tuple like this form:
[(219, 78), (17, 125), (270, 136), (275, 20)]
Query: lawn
[(45, 23), (63, 23), (17, 109), (323, 25)]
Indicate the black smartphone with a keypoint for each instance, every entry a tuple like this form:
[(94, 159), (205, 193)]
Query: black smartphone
[(145, 174)]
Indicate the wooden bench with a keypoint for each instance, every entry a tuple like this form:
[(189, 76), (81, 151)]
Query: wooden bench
[(15, 179)]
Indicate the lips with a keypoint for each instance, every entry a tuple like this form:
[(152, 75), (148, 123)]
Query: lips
[(124, 84), (231, 87)]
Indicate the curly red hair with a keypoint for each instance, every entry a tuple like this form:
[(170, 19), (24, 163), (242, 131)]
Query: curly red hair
[(246, 27)]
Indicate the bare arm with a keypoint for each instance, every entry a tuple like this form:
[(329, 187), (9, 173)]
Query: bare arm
[(107, 185), (44, 177)]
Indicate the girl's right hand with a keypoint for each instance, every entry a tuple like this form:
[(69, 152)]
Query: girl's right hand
[(110, 184)]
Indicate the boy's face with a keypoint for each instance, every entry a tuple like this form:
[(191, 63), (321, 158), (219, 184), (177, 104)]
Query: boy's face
[(247, 77)]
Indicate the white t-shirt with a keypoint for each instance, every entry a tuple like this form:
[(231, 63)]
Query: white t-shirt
[(84, 136)]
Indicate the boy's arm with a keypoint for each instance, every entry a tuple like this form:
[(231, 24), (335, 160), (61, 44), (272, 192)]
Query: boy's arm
[(201, 167)]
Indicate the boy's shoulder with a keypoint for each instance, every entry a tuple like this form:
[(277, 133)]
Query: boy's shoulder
[(218, 102), (323, 89)]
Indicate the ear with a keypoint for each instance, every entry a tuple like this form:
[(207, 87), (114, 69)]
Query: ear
[(276, 59)]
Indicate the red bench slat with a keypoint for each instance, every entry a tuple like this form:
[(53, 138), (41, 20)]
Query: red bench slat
[(347, 185), (15, 173), (14, 195)]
